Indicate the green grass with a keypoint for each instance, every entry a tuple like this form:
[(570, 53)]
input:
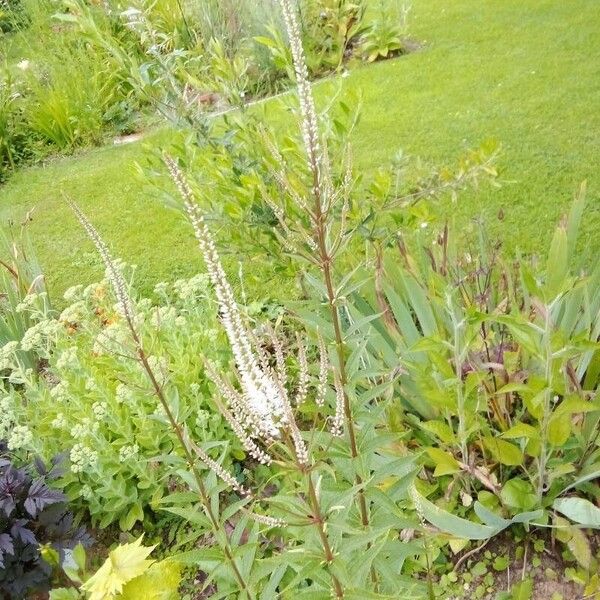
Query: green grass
[(523, 72)]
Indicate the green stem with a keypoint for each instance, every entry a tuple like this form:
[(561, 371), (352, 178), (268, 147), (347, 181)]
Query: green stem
[(547, 407), (320, 525), (191, 463)]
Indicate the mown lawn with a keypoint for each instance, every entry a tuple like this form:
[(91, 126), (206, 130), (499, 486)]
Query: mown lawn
[(523, 72)]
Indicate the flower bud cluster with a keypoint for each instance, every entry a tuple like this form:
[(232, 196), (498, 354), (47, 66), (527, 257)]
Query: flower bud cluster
[(7, 355), (128, 452), (82, 457), (39, 334), (20, 437), (67, 359)]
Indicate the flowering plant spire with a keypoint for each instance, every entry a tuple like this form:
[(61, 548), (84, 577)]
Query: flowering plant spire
[(261, 409)]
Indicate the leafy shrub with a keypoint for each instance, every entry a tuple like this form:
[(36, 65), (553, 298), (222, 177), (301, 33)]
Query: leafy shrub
[(330, 29), (15, 145), (385, 36), (498, 375), (31, 515)]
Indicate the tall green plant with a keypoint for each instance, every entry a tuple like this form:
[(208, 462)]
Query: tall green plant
[(497, 369)]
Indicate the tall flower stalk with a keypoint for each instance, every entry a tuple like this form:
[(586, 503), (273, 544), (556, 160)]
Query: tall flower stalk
[(323, 198), (127, 310), (260, 410)]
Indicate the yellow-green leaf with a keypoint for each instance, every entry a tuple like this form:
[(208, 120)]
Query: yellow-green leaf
[(557, 266), (159, 582), (124, 563), (445, 463), (559, 429), (574, 404), (502, 451), (521, 430), (440, 429)]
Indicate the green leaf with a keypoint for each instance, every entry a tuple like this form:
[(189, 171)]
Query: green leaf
[(521, 430), (517, 493), (502, 451), (159, 582), (523, 590), (592, 473), (579, 545), (65, 18), (448, 522), (559, 429), (441, 430), (124, 563), (557, 265), (135, 514), (579, 510), (445, 463), (574, 405)]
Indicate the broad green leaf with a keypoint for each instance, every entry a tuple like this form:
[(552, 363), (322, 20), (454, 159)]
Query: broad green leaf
[(559, 429), (513, 387), (580, 510), (523, 590), (490, 518), (493, 520), (518, 493), (79, 556), (135, 514), (579, 545), (440, 429), (502, 451), (574, 405)]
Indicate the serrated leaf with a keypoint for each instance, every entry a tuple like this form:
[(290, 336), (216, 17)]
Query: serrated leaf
[(124, 563)]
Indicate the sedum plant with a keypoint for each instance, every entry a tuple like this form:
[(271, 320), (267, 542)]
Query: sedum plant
[(92, 399)]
